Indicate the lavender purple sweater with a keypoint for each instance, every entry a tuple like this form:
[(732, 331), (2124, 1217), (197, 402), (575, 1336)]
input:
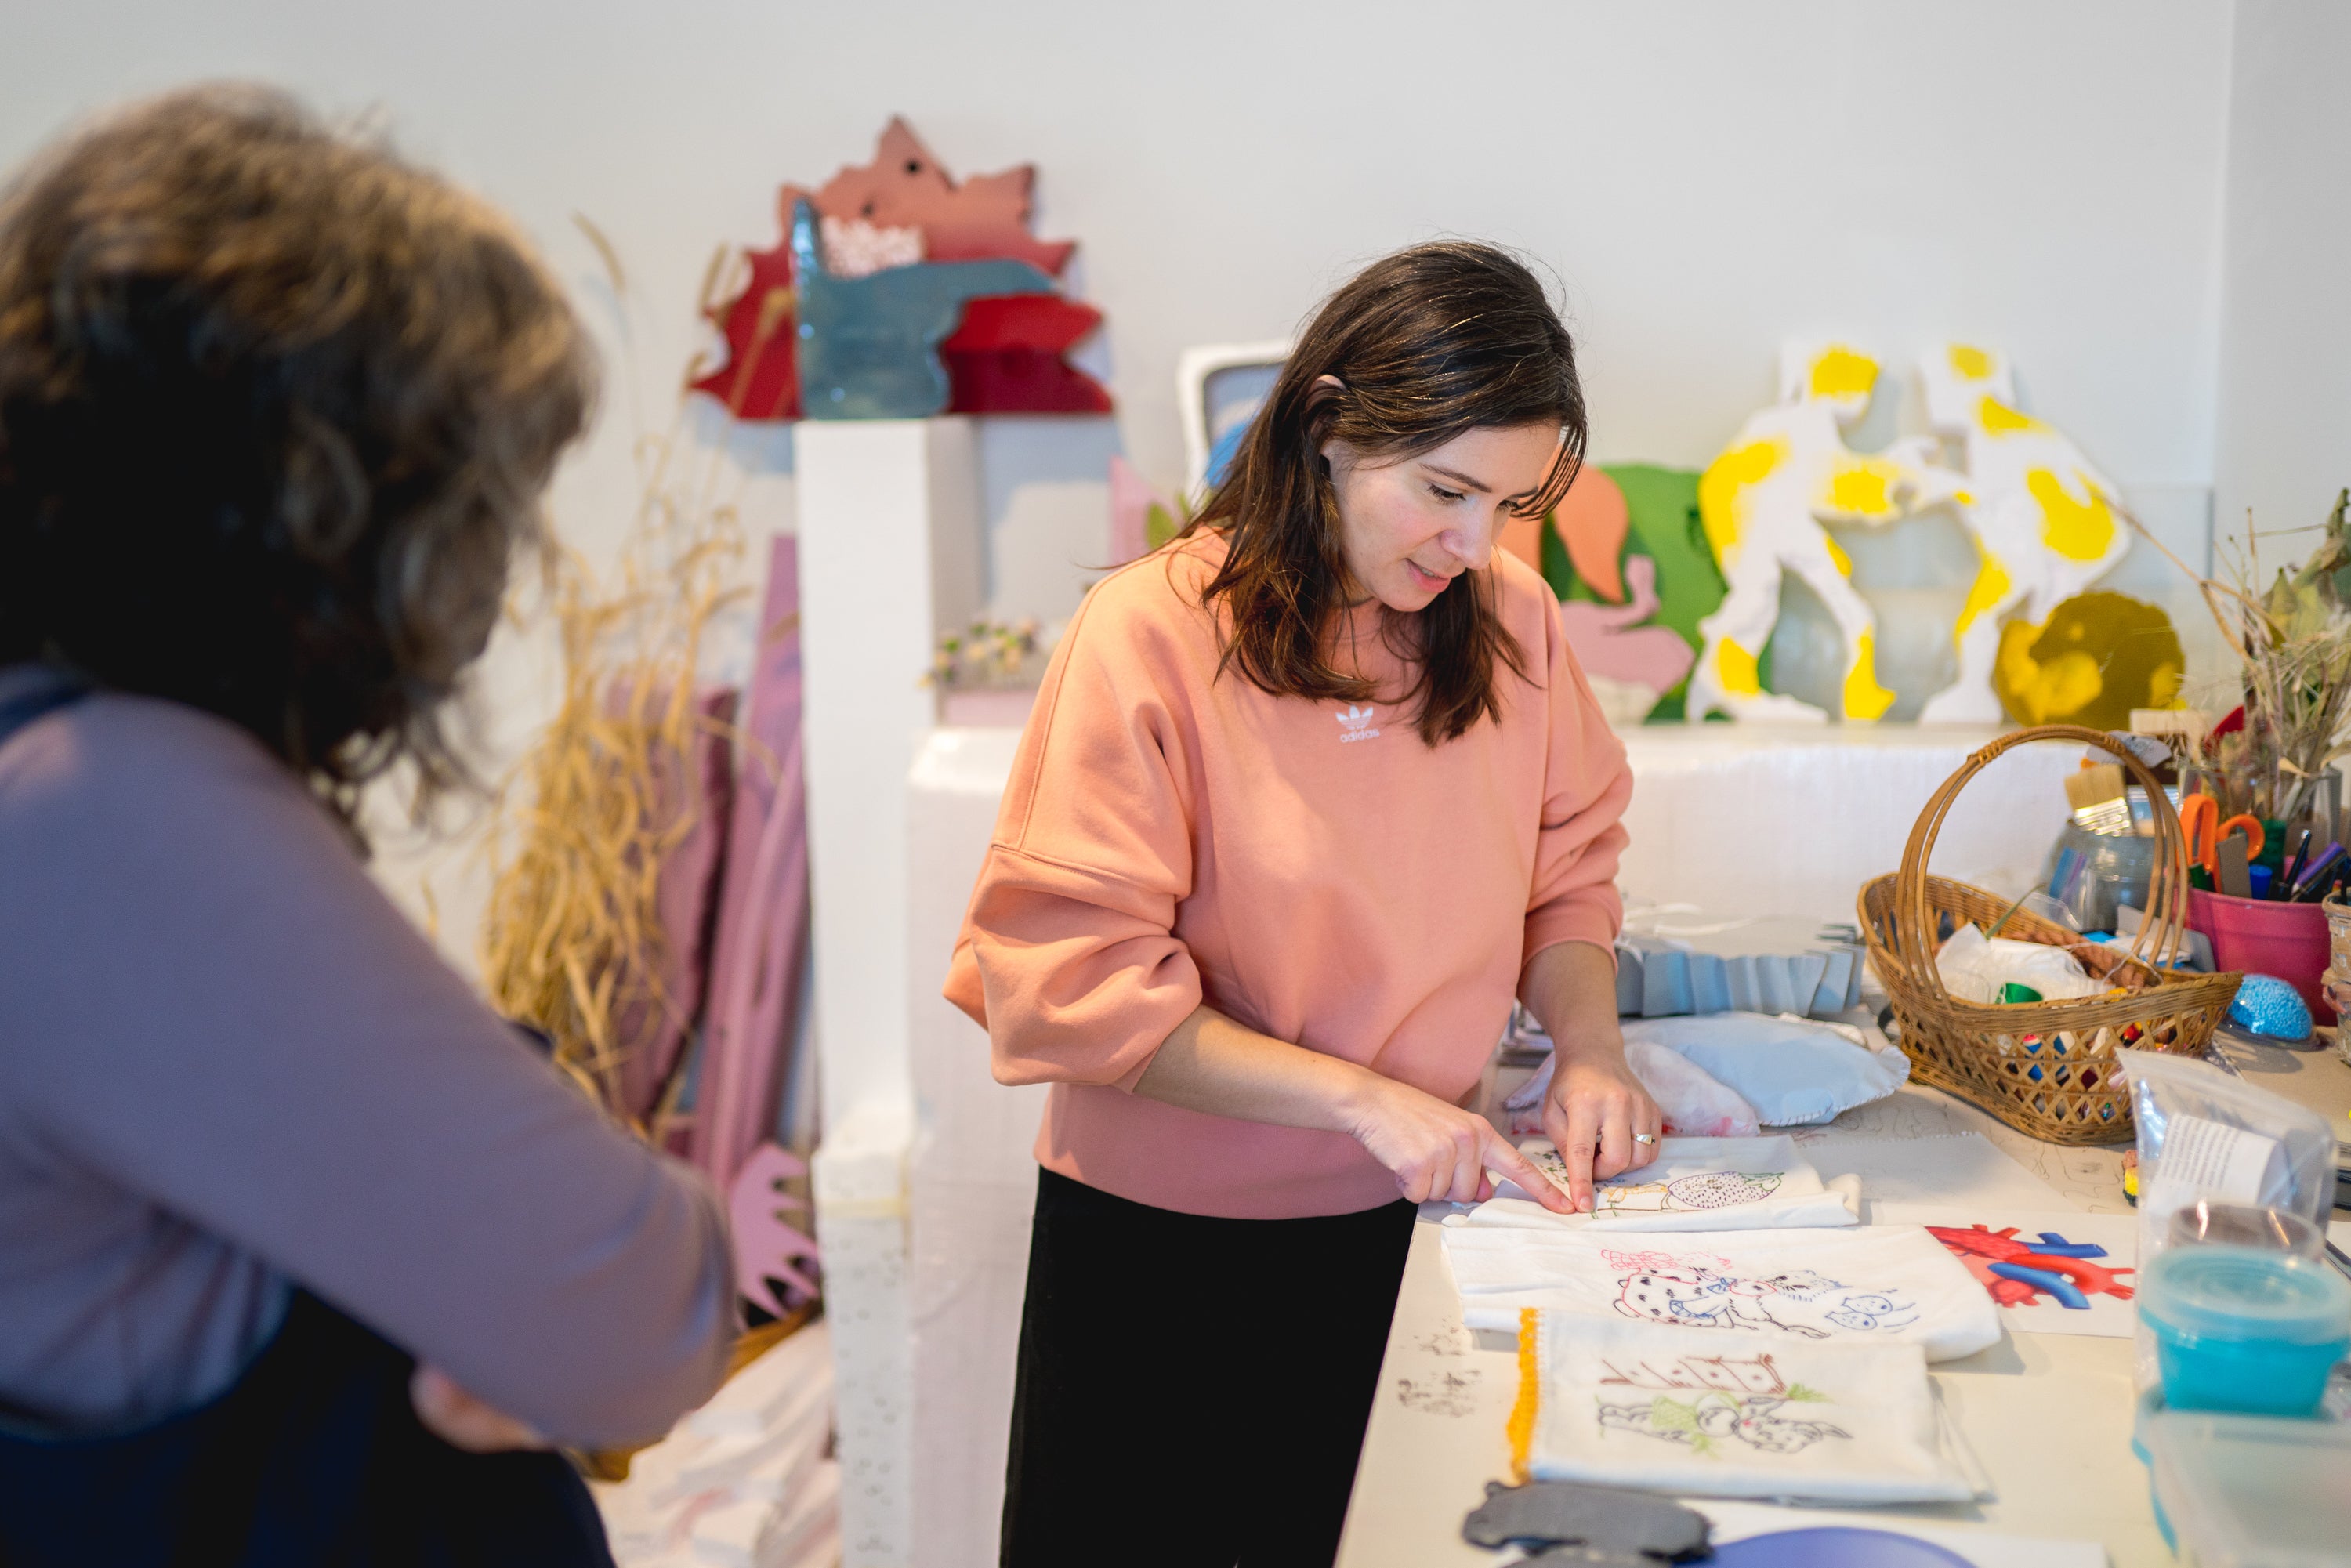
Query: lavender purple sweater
[(227, 1064)]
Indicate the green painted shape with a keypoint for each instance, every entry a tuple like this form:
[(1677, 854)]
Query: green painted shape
[(1662, 523)]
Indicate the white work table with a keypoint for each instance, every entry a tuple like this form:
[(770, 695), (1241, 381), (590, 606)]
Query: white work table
[(2048, 1416)]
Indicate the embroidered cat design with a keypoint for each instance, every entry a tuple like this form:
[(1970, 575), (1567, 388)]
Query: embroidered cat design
[(1700, 1298)]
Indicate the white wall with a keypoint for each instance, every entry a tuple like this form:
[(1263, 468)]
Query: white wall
[(1706, 178), (2284, 436)]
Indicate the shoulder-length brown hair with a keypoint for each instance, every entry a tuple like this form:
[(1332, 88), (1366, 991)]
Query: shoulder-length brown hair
[(276, 410), (1427, 344)]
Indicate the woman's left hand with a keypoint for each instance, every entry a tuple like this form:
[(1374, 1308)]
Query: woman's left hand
[(1595, 1112)]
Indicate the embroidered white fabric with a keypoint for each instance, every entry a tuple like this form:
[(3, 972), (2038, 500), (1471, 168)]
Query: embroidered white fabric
[(1694, 1184), (1890, 1283), (1636, 1405)]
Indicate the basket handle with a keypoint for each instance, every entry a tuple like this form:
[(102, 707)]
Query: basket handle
[(2167, 911)]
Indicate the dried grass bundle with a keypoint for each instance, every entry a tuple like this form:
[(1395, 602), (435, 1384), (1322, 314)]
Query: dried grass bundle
[(572, 940), (2292, 643)]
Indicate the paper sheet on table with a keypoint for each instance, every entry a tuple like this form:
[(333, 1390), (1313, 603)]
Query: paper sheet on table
[(1951, 1168), (1694, 1184), (1882, 1282), (2049, 1272), (1636, 1405), (1982, 1548)]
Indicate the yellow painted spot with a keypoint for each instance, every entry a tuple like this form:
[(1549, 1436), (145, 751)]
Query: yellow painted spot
[(1734, 667), (1862, 487), (1972, 363), (2037, 691), (2078, 530), (1992, 586), (1842, 372), (1964, 497), (1998, 419), (2165, 685), (1863, 697), (1721, 505), (1837, 558)]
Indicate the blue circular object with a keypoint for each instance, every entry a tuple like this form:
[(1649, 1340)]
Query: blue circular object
[(1833, 1546), (2268, 1007)]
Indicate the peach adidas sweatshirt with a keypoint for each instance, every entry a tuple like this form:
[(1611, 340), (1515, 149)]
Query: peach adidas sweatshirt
[(1312, 870)]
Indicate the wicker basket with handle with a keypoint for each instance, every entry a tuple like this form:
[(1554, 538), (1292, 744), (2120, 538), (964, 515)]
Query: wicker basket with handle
[(2044, 1068)]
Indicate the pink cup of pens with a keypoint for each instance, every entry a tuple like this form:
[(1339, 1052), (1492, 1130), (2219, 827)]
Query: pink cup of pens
[(2266, 936)]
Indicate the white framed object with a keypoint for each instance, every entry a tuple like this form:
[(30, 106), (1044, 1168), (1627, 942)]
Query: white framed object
[(1219, 386)]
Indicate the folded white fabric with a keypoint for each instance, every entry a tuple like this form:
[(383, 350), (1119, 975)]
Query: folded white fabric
[(1694, 1184), (1635, 1405), (1794, 1071), (1891, 1284)]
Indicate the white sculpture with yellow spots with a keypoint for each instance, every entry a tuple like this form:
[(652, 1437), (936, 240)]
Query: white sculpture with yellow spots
[(1763, 504), (2046, 521)]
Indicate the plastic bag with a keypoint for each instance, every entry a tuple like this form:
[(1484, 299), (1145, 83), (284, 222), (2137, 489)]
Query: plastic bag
[(1975, 966), (1694, 1103), (2204, 1133)]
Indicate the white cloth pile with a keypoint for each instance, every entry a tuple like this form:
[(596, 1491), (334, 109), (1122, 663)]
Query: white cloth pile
[(744, 1482), (1636, 1405), (1694, 1184), (1893, 1284)]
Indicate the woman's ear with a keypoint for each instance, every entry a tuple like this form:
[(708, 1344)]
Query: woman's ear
[(1320, 391)]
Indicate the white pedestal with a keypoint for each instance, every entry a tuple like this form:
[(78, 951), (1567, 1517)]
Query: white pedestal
[(889, 551)]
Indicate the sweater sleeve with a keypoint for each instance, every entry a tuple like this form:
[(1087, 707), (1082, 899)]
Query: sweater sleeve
[(1068, 955), (208, 1003), (1586, 785)]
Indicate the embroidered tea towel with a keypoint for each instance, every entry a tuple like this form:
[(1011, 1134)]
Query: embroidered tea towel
[(1890, 1283), (1635, 1405), (1694, 1184)]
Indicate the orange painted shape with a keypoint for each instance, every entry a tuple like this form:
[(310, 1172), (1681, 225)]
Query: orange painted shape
[(1591, 521), (1522, 537)]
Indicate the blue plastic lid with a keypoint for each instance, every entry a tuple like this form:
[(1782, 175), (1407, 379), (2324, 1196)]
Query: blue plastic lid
[(2245, 1293)]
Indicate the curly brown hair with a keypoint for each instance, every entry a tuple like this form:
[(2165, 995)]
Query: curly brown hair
[(1427, 344), (275, 412)]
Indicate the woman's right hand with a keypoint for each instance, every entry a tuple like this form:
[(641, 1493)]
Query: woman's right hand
[(1439, 1152)]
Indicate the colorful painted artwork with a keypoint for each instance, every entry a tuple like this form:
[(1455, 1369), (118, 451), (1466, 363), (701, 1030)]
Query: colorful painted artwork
[(1765, 504), (2096, 657), (2048, 1273), (2044, 523), (963, 317), (1627, 558)]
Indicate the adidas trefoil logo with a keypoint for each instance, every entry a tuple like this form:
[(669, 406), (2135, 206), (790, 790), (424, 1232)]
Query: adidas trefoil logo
[(1356, 725)]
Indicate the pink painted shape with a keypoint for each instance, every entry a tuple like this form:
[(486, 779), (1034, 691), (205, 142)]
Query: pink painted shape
[(766, 1246), (653, 1034), (1131, 499), (1591, 520), (905, 187), (763, 913), (1612, 641)]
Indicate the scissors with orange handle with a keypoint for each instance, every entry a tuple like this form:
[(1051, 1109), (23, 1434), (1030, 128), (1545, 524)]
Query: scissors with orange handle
[(2200, 819)]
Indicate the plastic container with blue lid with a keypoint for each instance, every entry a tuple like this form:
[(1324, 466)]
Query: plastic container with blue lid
[(2241, 1328)]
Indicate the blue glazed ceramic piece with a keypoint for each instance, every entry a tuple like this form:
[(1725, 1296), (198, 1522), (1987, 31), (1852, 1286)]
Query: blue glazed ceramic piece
[(869, 347), (2268, 1007)]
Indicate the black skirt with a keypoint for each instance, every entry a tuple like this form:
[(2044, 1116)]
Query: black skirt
[(1193, 1391)]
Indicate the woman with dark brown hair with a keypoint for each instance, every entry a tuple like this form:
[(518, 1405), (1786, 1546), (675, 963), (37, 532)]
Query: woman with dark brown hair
[(290, 1223), (1307, 797)]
